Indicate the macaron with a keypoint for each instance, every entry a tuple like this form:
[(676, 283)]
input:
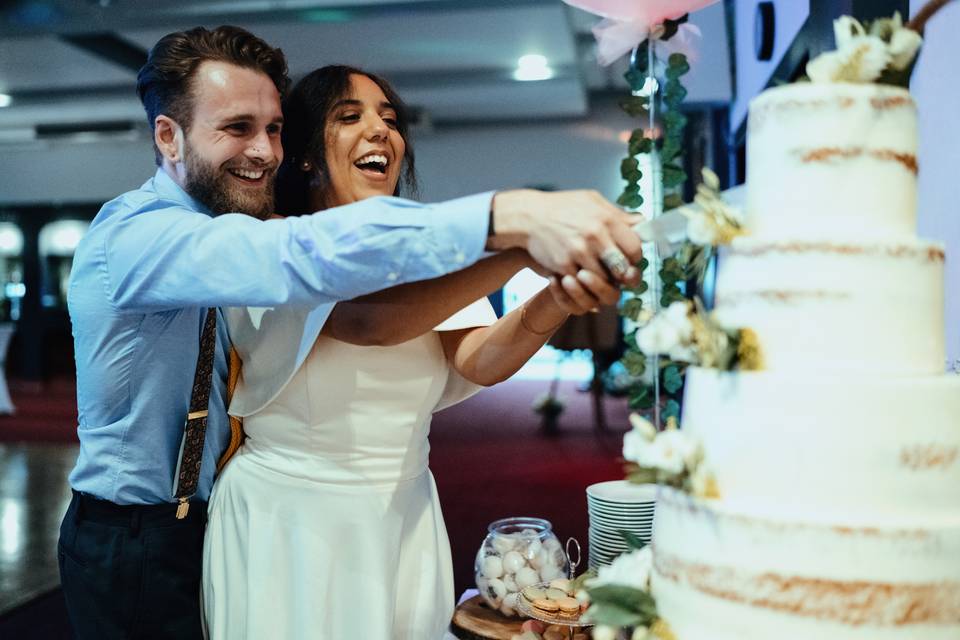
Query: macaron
[(569, 606), (547, 606)]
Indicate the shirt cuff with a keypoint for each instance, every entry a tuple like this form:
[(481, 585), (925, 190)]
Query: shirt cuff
[(467, 220)]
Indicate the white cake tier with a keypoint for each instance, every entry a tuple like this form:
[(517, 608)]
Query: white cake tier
[(819, 306), (854, 450), (832, 160), (723, 575)]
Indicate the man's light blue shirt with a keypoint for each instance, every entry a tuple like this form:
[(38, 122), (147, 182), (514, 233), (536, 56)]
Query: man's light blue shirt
[(154, 259)]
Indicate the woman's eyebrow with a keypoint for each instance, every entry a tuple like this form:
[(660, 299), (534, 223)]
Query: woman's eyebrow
[(350, 102)]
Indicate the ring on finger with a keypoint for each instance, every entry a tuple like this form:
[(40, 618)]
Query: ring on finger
[(615, 262)]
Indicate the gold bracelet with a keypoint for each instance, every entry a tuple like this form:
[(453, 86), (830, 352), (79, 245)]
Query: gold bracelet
[(526, 325)]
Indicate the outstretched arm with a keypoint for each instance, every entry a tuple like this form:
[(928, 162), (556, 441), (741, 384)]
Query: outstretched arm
[(488, 355), (404, 312)]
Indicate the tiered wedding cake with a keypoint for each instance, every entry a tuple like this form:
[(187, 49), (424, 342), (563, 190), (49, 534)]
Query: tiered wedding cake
[(838, 465)]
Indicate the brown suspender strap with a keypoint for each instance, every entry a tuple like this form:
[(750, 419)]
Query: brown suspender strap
[(187, 475)]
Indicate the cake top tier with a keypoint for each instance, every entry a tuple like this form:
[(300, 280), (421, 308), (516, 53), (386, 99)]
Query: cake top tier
[(832, 160)]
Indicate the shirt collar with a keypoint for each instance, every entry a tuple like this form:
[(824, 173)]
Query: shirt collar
[(165, 187)]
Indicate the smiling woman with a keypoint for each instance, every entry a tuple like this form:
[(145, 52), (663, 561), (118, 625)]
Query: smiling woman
[(332, 155)]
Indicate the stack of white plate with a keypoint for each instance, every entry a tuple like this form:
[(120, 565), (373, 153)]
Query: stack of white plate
[(617, 506)]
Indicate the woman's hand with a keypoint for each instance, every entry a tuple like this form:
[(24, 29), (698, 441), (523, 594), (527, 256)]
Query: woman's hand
[(585, 292)]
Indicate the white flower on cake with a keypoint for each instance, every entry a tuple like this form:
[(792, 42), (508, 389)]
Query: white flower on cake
[(671, 452), (658, 336), (703, 230), (845, 29), (864, 55), (628, 570), (904, 44), (862, 59)]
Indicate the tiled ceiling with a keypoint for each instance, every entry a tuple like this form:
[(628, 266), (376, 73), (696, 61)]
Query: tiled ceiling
[(74, 61)]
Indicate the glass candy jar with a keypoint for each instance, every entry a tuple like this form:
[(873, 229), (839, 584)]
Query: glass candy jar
[(517, 553)]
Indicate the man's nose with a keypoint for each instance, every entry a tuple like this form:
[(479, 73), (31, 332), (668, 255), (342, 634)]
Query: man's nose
[(260, 148)]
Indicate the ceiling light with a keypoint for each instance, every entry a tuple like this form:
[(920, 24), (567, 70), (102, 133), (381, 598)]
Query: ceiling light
[(532, 67), (5, 99)]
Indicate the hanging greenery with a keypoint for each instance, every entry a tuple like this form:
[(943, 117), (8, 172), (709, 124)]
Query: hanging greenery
[(689, 262)]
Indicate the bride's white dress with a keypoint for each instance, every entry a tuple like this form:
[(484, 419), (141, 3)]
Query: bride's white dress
[(327, 524)]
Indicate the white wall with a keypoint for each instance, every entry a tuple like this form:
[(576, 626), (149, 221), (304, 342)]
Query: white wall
[(451, 161), (936, 88)]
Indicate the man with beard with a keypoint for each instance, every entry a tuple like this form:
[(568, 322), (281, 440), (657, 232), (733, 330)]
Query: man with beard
[(156, 262)]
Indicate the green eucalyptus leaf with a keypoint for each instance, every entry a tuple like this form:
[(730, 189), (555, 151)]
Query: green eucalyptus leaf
[(614, 616), (671, 270), (673, 94), (630, 200), (671, 410), (642, 476), (677, 65), (673, 176), (634, 543), (672, 201), (641, 398), (672, 380), (674, 121), (634, 106), (619, 595), (670, 295), (631, 308), (635, 363)]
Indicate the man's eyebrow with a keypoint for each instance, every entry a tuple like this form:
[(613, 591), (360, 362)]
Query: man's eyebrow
[(246, 117)]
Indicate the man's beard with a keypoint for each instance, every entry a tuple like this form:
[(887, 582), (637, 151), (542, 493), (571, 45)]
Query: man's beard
[(213, 189)]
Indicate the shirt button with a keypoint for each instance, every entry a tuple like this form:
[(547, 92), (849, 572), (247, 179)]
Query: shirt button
[(461, 257), (392, 276)]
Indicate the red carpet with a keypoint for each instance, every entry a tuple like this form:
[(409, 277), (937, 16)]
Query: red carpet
[(491, 461), (488, 454)]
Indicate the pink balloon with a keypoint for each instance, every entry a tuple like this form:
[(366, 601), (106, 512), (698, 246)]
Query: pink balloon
[(650, 12), (627, 23)]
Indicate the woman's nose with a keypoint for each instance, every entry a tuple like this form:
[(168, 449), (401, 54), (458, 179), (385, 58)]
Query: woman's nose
[(376, 128)]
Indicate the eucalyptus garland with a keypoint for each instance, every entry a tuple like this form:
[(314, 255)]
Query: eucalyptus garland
[(690, 260)]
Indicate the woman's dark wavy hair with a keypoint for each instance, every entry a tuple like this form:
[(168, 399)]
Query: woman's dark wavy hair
[(165, 82), (306, 114)]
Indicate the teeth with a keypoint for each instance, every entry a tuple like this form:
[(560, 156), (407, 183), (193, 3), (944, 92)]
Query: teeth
[(373, 158), (247, 173)]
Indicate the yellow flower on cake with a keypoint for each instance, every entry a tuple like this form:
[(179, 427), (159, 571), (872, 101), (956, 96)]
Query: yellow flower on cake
[(703, 483)]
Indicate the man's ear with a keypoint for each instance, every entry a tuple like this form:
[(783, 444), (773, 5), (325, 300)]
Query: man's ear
[(168, 136)]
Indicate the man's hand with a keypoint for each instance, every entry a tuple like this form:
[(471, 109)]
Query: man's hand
[(566, 231)]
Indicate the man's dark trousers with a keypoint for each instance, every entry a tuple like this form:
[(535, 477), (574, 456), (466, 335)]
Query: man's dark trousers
[(131, 571)]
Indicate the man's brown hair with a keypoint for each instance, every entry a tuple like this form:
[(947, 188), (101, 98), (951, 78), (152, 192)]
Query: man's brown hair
[(165, 82)]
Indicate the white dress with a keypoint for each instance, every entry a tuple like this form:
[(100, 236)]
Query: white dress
[(327, 524)]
